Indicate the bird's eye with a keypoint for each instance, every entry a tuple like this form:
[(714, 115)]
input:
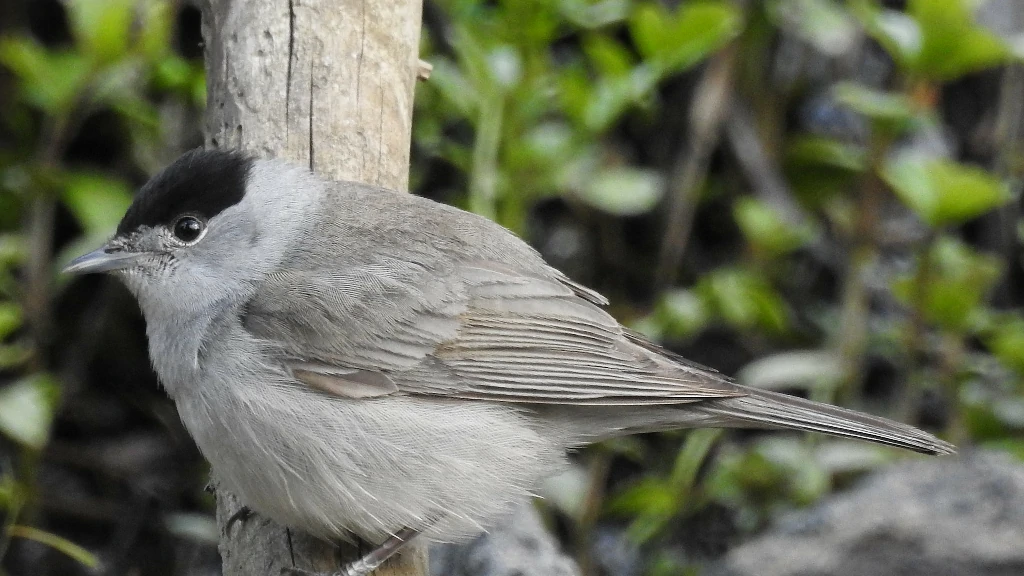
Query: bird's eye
[(188, 229)]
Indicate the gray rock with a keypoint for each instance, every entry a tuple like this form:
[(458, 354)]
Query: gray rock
[(520, 546), (936, 517)]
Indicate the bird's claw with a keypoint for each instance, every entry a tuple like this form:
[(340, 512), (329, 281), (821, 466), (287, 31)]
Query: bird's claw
[(348, 570), (241, 515)]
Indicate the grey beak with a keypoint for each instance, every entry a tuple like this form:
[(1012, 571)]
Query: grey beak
[(100, 260)]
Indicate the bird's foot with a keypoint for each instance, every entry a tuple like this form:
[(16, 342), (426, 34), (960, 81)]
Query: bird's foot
[(241, 515), (356, 568), (368, 563)]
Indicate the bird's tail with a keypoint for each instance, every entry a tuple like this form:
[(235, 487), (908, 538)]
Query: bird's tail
[(764, 409)]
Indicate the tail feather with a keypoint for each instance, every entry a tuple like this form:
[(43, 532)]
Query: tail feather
[(764, 409)]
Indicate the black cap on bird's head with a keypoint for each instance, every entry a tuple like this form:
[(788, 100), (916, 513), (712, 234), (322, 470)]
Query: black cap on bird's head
[(194, 188), (200, 182)]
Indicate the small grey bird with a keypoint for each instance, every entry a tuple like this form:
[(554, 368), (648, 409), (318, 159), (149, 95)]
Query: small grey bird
[(356, 361)]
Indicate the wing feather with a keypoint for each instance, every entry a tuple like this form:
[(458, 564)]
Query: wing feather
[(476, 330)]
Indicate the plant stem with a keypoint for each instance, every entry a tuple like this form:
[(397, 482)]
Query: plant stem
[(707, 111), (483, 183), (36, 298), (600, 465), (916, 329), (855, 310)]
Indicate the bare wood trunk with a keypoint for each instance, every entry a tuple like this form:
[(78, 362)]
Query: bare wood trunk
[(327, 83)]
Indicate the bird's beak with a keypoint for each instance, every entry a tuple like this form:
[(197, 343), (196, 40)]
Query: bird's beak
[(104, 259)]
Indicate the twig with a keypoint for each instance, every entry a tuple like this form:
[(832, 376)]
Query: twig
[(710, 105), (762, 175), (36, 298), (853, 334), (1008, 140), (597, 473), (483, 182)]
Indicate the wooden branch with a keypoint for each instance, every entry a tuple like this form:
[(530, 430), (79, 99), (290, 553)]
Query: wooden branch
[(327, 83)]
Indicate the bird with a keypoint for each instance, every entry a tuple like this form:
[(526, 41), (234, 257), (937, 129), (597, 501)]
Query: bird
[(354, 361)]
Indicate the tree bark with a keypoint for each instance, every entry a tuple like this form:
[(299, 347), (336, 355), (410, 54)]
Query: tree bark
[(326, 83)]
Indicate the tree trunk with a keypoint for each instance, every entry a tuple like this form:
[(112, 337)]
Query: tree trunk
[(326, 83)]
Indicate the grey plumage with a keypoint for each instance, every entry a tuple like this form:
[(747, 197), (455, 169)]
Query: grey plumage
[(353, 360)]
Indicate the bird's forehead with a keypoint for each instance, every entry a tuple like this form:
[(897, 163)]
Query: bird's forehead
[(201, 182)]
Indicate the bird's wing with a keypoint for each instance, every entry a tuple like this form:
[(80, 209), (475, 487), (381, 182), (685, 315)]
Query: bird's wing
[(475, 330)]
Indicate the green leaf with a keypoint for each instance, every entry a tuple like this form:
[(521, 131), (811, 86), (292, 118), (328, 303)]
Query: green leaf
[(675, 42), (448, 80), (744, 300), (937, 40), (691, 458), (608, 55), (958, 281), (97, 201), (50, 81), (822, 23), (172, 73), (13, 250), (192, 526), (27, 409), (766, 231), (943, 192), (624, 191), (610, 97), (652, 502), (118, 81), (898, 33), (13, 355), (592, 15), (12, 493), (10, 318), (505, 67), (681, 313), (880, 106), (1007, 342), (807, 149), (156, 27), (649, 493), (952, 42), (804, 369), (102, 27)]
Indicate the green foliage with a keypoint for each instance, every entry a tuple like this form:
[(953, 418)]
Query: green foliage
[(540, 126), (937, 40), (955, 284), (578, 100), (101, 28), (1006, 340), (890, 112), (49, 80), (766, 231), (27, 409), (941, 192), (743, 300), (624, 191), (822, 23), (655, 501), (97, 201), (66, 547), (820, 169), (674, 42), (119, 61)]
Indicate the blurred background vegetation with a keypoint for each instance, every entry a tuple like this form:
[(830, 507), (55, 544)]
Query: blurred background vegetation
[(817, 196)]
